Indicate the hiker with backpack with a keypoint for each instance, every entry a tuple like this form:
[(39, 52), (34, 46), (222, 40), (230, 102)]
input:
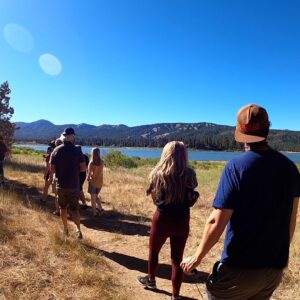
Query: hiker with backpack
[(257, 199)]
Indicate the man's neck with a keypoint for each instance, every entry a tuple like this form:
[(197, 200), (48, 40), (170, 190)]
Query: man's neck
[(262, 146)]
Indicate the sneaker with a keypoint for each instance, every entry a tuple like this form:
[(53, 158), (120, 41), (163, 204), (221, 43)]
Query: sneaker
[(146, 282), (78, 235), (84, 206)]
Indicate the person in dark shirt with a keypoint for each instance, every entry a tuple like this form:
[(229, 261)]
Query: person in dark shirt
[(3, 151), (56, 143), (172, 190), (66, 162), (82, 177), (257, 199)]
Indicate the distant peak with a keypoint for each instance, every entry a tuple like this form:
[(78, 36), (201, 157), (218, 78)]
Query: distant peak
[(43, 121)]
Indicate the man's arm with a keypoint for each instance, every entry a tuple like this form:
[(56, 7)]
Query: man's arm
[(214, 228), (294, 217)]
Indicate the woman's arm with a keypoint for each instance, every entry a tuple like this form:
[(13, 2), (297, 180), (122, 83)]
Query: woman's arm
[(89, 172)]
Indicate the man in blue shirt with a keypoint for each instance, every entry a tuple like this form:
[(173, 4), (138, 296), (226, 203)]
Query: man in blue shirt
[(257, 199)]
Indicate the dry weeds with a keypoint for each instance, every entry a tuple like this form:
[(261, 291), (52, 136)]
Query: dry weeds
[(36, 263)]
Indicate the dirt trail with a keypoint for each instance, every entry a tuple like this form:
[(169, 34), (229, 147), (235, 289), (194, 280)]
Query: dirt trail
[(123, 241)]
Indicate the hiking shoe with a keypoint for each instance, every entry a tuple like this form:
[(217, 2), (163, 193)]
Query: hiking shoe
[(146, 282), (84, 206), (78, 235)]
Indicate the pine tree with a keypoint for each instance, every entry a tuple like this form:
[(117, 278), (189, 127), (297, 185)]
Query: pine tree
[(7, 128)]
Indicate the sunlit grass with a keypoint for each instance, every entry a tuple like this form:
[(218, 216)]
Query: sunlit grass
[(38, 263)]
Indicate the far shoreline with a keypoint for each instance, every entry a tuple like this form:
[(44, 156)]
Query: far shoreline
[(150, 148)]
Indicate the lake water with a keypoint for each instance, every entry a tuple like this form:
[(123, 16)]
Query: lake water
[(155, 153)]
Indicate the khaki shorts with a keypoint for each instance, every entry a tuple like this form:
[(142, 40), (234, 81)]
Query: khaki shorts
[(227, 282), (68, 198)]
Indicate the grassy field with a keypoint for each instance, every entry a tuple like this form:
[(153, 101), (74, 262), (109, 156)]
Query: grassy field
[(36, 262)]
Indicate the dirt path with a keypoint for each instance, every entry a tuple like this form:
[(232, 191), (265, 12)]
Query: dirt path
[(122, 239)]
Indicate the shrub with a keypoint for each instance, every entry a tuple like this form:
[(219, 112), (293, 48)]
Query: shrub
[(27, 151), (118, 159)]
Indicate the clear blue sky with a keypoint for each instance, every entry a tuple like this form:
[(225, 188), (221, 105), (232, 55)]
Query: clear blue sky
[(139, 62)]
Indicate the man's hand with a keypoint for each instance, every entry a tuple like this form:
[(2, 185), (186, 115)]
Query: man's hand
[(189, 263)]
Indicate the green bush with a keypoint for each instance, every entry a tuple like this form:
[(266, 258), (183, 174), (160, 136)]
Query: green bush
[(26, 151), (118, 159), (145, 161)]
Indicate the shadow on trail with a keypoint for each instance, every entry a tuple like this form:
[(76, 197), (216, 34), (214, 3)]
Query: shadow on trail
[(141, 265), (112, 221), (25, 167)]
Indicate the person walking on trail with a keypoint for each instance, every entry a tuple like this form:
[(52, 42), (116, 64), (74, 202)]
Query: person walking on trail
[(47, 175), (82, 177), (257, 198), (66, 163), (95, 180), (3, 152), (56, 143), (172, 185)]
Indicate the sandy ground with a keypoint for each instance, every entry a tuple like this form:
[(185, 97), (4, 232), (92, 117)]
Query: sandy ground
[(124, 243)]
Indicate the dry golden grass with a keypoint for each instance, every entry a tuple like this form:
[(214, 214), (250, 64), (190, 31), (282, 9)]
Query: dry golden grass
[(37, 264)]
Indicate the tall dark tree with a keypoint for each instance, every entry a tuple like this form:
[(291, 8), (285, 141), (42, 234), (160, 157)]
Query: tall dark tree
[(7, 128)]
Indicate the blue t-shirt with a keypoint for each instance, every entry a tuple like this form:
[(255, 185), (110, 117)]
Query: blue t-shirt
[(259, 186)]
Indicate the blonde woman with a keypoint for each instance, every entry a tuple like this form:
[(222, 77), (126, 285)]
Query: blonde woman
[(95, 180), (172, 185)]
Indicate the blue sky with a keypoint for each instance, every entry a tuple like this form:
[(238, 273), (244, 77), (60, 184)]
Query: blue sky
[(141, 62)]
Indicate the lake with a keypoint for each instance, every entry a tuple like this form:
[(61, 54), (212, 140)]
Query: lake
[(155, 153)]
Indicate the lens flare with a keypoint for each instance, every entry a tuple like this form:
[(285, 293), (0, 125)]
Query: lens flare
[(18, 37), (50, 64)]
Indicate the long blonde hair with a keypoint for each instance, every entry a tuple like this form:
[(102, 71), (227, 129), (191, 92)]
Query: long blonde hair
[(170, 172), (95, 156)]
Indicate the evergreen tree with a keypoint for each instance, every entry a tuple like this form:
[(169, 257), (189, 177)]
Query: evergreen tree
[(7, 128)]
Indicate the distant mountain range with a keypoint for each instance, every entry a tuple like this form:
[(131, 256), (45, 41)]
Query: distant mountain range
[(196, 135), (43, 129)]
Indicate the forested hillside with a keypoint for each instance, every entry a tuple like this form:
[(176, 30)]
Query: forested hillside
[(203, 135)]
